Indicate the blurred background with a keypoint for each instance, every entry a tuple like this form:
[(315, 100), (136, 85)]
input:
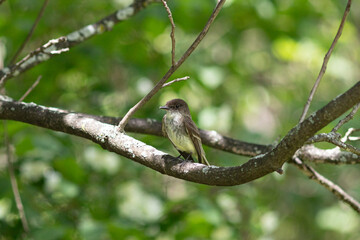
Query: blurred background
[(250, 78)]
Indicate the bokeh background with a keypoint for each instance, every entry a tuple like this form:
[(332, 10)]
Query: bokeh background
[(250, 78)]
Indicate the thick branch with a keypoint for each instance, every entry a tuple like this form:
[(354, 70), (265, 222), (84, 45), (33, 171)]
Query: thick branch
[(316, 121), (110, 139)]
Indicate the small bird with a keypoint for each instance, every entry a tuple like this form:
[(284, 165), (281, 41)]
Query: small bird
[(179, 127)]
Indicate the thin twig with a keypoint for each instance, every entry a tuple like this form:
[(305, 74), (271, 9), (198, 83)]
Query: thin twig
[(347, 134), (172, 34), (332, 187), (175, 80), (30, 32), (325, 62), (159, 85), (354, 138), (333, 138), (43, 51), (14, 184), (335, 156), (13, 181), (30, 89), (347, 118)]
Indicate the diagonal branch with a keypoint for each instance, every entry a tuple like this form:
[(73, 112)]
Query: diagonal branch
[(347, 118), (9, 154), (173, 68), (30, 89), (325, 62), (64, 43), (14, 185), (332, 187), (30, 32)]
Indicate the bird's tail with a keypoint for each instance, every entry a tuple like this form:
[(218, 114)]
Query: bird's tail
[(202, 158)]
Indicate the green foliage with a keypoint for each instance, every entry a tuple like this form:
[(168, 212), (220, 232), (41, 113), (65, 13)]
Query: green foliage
[(250, 78)]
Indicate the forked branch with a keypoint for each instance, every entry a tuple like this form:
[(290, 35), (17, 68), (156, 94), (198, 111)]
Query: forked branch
[(172, 69)]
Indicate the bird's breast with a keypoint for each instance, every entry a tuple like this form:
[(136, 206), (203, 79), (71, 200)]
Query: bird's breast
[(177, 133)]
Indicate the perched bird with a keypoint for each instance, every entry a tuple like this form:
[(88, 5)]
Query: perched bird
[(179, 127)]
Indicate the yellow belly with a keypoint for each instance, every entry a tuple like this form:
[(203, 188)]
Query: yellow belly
[(181, 142), (177, 133)]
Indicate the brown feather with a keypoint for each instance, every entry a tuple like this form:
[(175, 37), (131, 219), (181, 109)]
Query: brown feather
[(194, 134), (163, 126)]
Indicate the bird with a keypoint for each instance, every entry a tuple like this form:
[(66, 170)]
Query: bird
[(181, 130)]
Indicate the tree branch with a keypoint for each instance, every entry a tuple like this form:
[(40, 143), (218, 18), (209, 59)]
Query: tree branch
[(348, 133), (174, 81), (334, 139), (335, 189), (109, 138), (172, 34), (173, 68), (62, 44), (30, 89), (310, 153), (14, 185), (41, 12), (347, 118), (325, 62)]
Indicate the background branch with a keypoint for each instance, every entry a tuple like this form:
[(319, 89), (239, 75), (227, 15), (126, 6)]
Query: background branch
[(175, 80), (14, 185), (313, 154), (332, 187), (172, 34), (9, 154), (173, 68), (325, 62), (12, 61), (347, 118), (30, 89), (334, 139), (62, 44)]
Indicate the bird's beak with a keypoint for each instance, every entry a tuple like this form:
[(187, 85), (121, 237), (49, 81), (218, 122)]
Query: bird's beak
[(164, 107)]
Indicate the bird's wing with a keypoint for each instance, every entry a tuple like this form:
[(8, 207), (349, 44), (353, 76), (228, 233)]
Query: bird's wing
[(163, 127), (194, 134)]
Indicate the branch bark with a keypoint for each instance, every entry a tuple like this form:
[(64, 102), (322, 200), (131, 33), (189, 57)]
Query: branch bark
[(109, 138), (64, 43)]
